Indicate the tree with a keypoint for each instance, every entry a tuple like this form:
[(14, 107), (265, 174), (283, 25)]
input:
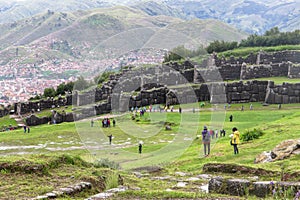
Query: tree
[(81, 83), (61, 88), (102, 77), (272, 32), (49, 92), (219, 46)]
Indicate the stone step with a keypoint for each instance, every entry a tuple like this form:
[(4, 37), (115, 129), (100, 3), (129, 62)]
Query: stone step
[(108, 193), (66, 191)]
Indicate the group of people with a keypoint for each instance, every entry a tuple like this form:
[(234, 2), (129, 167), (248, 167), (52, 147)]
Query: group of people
[(207, 135), (106, 122), (7, 128)]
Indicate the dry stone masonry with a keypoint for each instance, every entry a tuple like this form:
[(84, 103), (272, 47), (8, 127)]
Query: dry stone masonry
[(242, 187), (175, 83)]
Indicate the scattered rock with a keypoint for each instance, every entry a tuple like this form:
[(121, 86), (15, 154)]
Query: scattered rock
[(204, 188), (138, 174), (67, 190), (181, 184), (162, 178), (280, 152), (40, 197), (204, 176), (135, 188), (102, 195), (168, 128), (118, 189), (51, 195), (108, 194), (193, 179), (181, 174)]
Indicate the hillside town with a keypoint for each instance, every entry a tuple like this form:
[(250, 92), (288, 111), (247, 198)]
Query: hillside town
[(19, 82)]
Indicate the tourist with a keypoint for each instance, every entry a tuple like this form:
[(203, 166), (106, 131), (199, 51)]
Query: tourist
[(242, 108), (114, 123), (251, 106), (92, 122), (230, 118), (140, 147), (212, 133), (166, 108), (110, 138), (279, 106), (108, 122), (222, 133), (235, 140), (180, 110), (206, 141)]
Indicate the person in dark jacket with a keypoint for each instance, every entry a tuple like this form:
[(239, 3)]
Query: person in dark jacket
[(206, 141)]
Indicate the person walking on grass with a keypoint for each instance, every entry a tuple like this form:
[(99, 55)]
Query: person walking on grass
[(110, 137), (235, 140), (140, 147), (230, 118), (206, 141), (92, 122)]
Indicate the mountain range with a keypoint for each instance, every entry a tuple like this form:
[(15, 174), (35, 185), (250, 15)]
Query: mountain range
[(85, 33), (252, 16)]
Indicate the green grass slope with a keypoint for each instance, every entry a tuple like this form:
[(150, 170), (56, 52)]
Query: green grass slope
[(91, 144)]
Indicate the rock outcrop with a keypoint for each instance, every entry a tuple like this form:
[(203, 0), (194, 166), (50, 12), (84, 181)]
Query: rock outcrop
[(280, 152)]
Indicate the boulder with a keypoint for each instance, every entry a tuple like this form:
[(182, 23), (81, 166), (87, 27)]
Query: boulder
[(280, 152), (237, 187)]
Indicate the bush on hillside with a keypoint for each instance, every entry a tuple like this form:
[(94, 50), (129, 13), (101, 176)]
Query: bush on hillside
[(251, 135)]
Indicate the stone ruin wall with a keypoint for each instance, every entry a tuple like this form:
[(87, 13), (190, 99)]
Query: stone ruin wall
[(283, 94), (294, 71), (117, 92), (4, 112)]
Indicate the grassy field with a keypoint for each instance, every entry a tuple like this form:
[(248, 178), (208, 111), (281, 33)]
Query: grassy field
[(176, 150)]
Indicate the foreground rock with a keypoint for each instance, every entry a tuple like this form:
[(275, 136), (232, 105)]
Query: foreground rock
[(71, 190), (243, 187), (280, 152), (109, 193)]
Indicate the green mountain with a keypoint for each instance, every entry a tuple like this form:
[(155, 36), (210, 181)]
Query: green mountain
[(84, 34)]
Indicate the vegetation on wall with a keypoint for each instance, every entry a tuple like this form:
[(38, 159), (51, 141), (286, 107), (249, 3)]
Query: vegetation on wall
[(272, 37)]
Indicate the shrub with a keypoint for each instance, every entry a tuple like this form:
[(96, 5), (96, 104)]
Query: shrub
[(251, 135), (106, 163)]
